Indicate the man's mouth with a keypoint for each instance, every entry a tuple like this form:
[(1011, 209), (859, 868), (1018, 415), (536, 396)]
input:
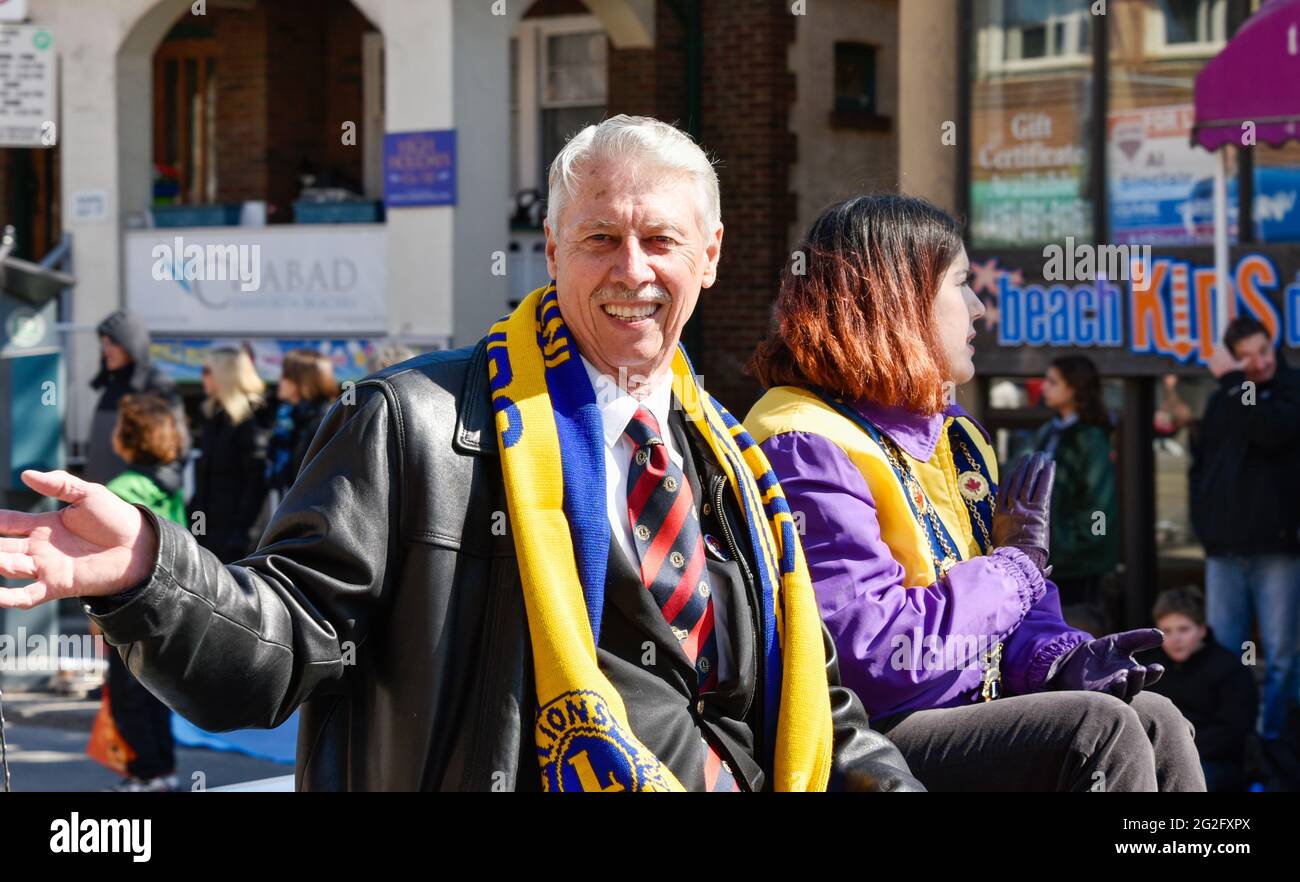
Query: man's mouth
[(631, 311)]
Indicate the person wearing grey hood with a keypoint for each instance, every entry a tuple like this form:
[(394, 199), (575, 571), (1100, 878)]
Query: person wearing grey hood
[(125, 368)]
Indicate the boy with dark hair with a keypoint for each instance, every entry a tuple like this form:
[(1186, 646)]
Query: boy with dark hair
[(1211, 686)]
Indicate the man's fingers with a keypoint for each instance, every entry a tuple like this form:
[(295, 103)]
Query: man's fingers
[(25, 597), (17, 523), (17, 566), (57, 484)]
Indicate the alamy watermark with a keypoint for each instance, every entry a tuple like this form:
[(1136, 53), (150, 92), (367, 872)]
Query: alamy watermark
[(1085, 262), (44, 652), (177, 262)]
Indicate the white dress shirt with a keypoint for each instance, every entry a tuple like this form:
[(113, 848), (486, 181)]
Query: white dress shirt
[(617, 407)]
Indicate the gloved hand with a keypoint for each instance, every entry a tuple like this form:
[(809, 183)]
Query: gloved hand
[(1023, 518), (1107, 665)]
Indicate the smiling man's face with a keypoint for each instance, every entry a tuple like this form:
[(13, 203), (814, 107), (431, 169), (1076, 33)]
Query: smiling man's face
[(629, 259)]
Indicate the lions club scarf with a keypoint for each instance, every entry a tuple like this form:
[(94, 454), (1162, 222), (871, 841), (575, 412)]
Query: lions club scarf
[(552, 450)]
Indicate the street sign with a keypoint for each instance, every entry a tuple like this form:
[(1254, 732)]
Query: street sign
[(29, 74)]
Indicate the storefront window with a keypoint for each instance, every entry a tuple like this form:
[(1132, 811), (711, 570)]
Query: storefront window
[(1159, 184), (574, 96), (1031, 118), (1277, 193)]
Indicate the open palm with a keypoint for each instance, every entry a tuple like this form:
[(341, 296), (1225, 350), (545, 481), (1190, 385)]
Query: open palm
[(97, 545)]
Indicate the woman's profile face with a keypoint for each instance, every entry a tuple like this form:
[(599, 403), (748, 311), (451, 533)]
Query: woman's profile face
[(1056, 392), (955, 310)]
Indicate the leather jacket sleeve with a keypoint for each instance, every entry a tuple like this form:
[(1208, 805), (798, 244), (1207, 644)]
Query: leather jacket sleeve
[(864, 760), (242, 646)]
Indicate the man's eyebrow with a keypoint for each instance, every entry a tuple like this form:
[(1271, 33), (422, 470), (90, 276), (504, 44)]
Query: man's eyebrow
[(652, 227)]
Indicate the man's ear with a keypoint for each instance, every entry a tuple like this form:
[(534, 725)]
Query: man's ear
[(550, 247), (712, 253)]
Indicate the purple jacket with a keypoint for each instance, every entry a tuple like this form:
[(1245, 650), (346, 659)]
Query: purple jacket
[(910, 649)]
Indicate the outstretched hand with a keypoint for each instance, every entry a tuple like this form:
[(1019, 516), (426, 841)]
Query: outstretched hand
[(95, 546)]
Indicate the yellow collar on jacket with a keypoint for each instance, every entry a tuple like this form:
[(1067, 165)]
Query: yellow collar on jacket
[(785, 409)]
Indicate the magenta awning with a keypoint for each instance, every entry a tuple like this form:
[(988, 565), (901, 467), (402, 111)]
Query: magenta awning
[(1256, 78)]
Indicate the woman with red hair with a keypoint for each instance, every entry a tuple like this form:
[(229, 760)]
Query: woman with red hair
[(929, 576)]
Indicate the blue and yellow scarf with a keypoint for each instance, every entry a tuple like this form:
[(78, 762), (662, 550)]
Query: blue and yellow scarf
[(548, 424)]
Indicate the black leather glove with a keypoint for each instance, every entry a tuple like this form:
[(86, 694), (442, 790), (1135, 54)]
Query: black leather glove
[(1023, 517)]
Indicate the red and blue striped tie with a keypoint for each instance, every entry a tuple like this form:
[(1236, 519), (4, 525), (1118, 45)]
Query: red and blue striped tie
[(666, 530)]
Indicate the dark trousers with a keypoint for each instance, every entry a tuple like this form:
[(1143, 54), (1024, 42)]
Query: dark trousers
[(1050, 741), (143, 720)]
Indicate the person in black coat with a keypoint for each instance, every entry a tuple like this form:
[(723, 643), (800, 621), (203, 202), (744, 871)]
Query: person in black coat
[(307, 387), (230, 473), (1213, 688), (125, 368), (1244, 484)]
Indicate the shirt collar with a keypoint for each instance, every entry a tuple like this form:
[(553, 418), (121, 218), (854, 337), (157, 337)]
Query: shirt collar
[(916, 433), (617, 406), (1060, 422)]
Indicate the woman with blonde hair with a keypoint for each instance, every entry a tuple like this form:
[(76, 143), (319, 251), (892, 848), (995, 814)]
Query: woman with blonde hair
[(931, 578), (230, 474)]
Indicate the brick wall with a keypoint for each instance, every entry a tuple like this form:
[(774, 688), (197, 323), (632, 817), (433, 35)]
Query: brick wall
[(242, 134), (289, 74), (747, 91)]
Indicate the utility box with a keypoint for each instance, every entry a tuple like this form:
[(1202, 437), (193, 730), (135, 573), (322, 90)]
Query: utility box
[(32, 393)]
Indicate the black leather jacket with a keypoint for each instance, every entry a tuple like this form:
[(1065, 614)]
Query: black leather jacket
[(383, 601)]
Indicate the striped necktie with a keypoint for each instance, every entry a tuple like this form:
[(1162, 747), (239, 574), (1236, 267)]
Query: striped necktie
[(666, 531)]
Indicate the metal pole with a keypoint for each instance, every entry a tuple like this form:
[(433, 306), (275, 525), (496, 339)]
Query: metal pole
[(1224, 298)]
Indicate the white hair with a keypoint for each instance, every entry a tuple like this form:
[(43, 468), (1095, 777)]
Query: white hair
[(650, 144)]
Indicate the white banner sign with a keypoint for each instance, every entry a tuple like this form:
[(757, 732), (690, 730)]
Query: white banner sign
[(13, 10), (29, 78), (290, 280)]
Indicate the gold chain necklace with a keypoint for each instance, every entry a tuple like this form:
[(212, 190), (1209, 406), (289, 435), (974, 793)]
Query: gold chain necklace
[(991, 659)]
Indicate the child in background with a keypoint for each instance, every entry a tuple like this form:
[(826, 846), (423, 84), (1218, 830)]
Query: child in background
[(1211, 686), (147, 438)]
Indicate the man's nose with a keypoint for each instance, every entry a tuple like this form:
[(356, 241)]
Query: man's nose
[(631, 267)]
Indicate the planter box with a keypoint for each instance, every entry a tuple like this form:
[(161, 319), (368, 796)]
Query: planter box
[(338, 212), (196, 215)]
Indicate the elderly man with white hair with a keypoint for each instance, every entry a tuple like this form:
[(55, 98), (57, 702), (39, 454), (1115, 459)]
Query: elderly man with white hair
[(548, 561)]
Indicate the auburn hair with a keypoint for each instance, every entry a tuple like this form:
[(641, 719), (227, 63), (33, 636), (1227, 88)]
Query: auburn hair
[(146, 430), (855, 313), (312, 373)]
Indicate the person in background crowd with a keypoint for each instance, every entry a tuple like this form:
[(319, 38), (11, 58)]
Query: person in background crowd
[(125, 368), (935, 594), (1245, 498), (230, 474), (387, 354), (1209, 684), (1085, 530), (1173, 413), (307, 386), (148, 440)]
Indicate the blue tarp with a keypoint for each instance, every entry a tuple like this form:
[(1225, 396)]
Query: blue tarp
[(278, 745)]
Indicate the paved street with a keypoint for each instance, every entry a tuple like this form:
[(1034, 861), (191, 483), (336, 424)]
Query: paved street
[(47, 733)]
